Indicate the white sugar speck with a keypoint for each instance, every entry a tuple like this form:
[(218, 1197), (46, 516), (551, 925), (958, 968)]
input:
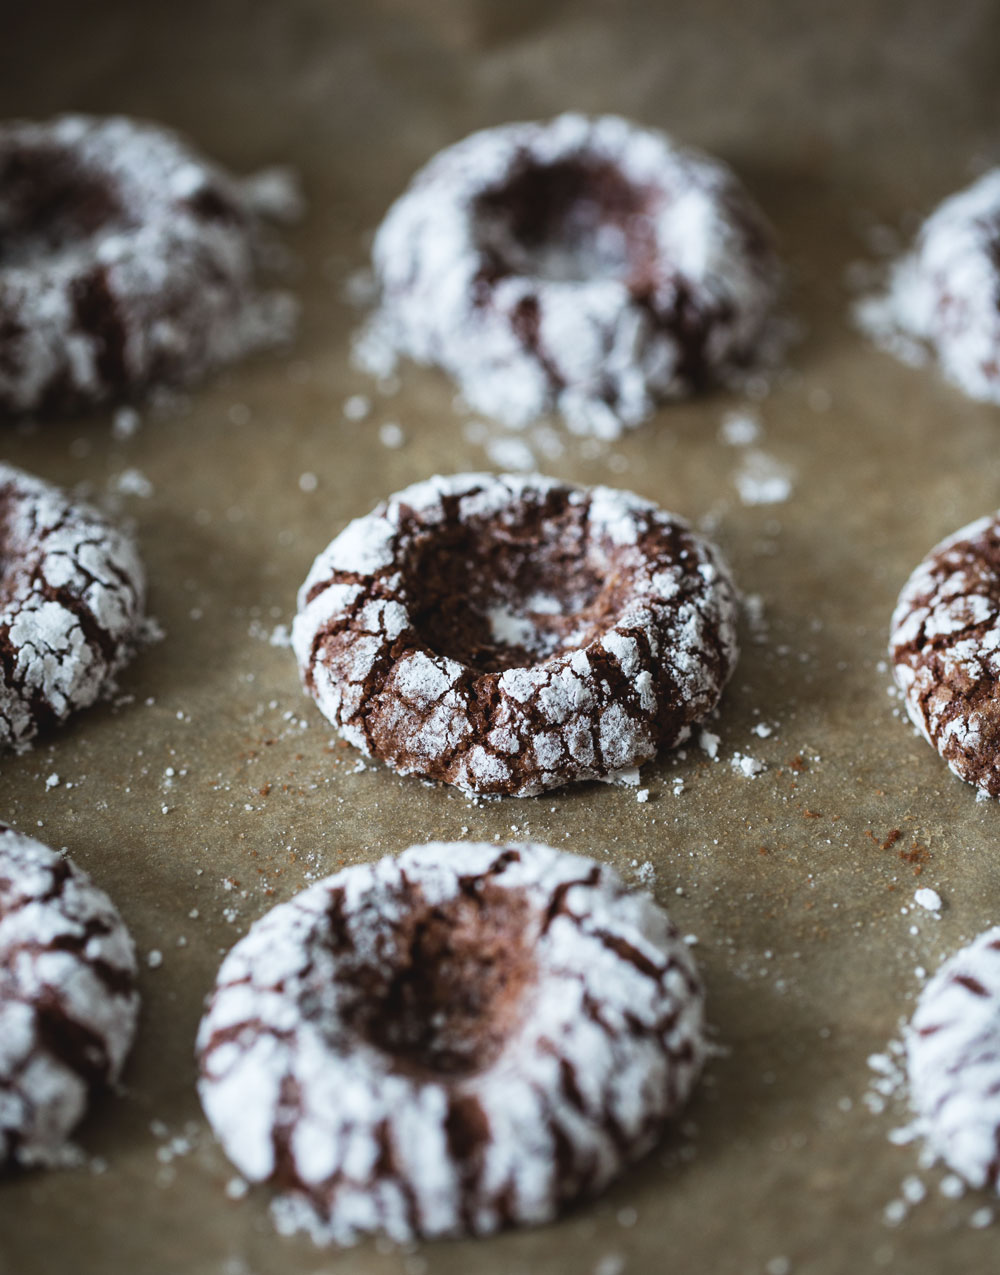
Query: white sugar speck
[(928, 898), (763, 480), (391, 435), (748, 766), (357, 407), (132, 482), (125, 422), (709, 743), (739, 429)]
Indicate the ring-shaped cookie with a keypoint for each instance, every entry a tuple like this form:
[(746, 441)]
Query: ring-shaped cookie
[(945, 651), (72, 591), (126, 259), (510, 634), (68, 1004), (466, 1037), (585, 265)]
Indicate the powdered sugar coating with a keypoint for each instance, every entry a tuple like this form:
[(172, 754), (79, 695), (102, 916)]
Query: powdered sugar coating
[(945, 649), (126, 259), (584, 265), (68, 1004), (599, 1042), (946, 292), (953, 1059), (630, 642), (71, 605)]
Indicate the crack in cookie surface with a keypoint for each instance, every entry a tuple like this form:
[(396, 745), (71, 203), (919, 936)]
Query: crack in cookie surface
[(466, 1037), (68, 1004), (945, 647), (72, 593), (510, 634)]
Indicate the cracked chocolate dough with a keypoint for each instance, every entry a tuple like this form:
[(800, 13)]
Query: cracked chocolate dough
[(510, 634), (945, 650), (584, 265), (467, 1037), (126, 259), (953, 1061), (946, 292), (71, 605), (68, 1004)]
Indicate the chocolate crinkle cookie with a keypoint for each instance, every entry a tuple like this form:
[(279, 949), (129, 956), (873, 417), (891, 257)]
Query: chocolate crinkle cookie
[(945, 650), (467, 1037), (583, 265), (953, 1061), (72, 593), (68, 1004), (945, 293), (126, 260), (511, 634)]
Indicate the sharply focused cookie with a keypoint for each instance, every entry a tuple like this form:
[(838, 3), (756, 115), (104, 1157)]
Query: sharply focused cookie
[(945, 649), (72, 592), (467, 1037), (511, 634), (126, 259), (68, 1004), (584, 265), (953, 1061)]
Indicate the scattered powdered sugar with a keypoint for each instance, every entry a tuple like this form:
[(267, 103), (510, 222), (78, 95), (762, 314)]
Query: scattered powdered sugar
[(763, 480), (510, 453), (125, 422), (132, 482), (708, 742), (530, 323), (391, 435), (928, 899), (749, 767), (739, 429), (357, 407)]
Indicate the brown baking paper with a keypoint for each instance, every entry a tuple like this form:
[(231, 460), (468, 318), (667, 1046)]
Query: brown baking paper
[(212, 788)]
